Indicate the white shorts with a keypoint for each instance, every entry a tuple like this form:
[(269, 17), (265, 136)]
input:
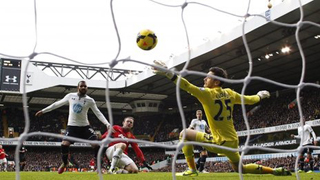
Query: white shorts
[(11, 163), (124, 159), (4, 160)]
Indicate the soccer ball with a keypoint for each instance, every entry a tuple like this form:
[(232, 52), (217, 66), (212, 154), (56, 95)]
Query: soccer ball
[(146, 39)]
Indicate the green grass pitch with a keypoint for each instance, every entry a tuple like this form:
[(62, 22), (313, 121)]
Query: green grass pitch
[(147, 176)]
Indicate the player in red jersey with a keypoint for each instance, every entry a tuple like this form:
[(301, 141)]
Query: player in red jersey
[(3, 159), (117, 151), (92, 164)]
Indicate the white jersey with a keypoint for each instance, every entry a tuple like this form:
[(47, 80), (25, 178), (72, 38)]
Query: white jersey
[(78, 109), (307, 131), (199, 125)]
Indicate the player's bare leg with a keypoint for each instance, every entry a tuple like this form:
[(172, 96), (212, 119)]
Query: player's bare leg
[(132, 168)]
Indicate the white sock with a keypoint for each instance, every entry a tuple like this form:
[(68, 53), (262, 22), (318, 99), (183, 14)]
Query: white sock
[(115, 158)]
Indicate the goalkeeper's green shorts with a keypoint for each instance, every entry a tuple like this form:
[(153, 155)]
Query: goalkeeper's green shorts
[(234, 157)]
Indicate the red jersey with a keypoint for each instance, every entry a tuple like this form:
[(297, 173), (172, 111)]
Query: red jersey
[(121, 133), (2, 154), (92, 162)]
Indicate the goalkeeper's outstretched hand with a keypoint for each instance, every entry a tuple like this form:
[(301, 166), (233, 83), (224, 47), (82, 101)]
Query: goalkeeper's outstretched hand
[(263, 94), (145, 164), (163, 70)]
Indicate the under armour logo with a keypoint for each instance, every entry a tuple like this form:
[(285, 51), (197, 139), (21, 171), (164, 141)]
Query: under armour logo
[(13, 79)]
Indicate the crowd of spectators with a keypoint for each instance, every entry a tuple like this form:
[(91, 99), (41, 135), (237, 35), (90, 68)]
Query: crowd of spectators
[(46, 158), (277, 110)]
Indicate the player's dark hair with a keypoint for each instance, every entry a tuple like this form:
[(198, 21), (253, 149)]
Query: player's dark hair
[(81, 82), (128, 117), (217, 71)]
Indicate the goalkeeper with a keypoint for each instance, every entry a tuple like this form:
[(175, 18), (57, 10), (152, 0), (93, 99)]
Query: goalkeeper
[(218, 105)]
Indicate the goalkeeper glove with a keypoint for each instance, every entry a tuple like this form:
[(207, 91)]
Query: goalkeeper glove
[(263, 94), (163, 70), (145, 164)]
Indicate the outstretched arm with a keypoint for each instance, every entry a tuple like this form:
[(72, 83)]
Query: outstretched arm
[(54, 106), (162, 69), (138, 151), (4, 153), (251, 99), (99, 115), (140, 155)]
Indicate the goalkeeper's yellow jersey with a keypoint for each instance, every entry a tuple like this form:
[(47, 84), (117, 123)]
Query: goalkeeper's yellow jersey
[(218, 106)]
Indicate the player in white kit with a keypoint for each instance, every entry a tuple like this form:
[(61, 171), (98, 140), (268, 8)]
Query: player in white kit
[(201, 125), (306, 140), (78, 123)]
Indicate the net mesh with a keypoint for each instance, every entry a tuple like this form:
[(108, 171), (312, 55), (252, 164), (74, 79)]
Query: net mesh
[(184, 72)]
